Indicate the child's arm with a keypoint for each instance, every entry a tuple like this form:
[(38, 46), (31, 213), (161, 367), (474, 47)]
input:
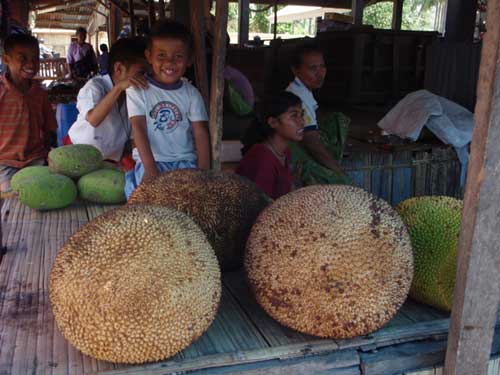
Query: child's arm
[(140, 131), (202, 143), (97, 114)]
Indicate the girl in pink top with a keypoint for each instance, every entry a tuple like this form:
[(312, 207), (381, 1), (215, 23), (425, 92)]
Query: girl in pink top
[(266, 157)]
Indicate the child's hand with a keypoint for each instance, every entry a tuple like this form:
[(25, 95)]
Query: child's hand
[(138, 81)]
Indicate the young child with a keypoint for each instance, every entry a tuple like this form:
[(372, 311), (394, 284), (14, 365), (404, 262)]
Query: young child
[(169, 120), (103, 119), (27, 121), (266, 159)]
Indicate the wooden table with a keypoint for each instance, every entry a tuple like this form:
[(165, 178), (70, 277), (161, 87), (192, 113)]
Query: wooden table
[(242, 339)]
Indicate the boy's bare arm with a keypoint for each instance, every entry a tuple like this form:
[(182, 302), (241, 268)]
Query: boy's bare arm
[(97, 114), (318, 151), (139, 128), (202, 143)]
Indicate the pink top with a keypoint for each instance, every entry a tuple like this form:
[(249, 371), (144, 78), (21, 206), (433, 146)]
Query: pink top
[(263, 167)]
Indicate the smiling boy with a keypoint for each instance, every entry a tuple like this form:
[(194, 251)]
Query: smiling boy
[(27, 121), (169, 119)]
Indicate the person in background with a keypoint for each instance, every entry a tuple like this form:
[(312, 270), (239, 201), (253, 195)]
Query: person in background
[(81, 57), (318, 154), (27, 121), (169, 119), (103, 119), (102, 60), (266, 156)]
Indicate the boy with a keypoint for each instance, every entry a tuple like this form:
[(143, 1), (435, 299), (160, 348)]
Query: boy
[(102, 60), (309, 69), (169, 120), (103, 120), (27, 121)]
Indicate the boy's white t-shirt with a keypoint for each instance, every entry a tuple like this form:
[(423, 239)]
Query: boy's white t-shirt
[(113, 132), (169, 111), (309, 104)]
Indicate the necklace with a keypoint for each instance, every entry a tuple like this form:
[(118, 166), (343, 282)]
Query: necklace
[(280, 155)]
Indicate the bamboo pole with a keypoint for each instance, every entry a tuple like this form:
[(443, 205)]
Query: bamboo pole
[(477, 296), (217, 88)]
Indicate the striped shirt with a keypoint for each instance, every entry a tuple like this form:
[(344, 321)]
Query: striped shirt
[(26, 121)]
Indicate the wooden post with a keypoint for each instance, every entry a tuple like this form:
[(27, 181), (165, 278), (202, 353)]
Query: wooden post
[(19, 11), (460, 20), (476, 297), (152, 14), (217, 89), (243, 21), (161, 10), (397, 14), (275, 26), (200, 54), (357, 7), (131, 15), (115, 23)]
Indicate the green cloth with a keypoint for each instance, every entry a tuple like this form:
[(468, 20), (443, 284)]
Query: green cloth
[(237, 104), (334, 127)]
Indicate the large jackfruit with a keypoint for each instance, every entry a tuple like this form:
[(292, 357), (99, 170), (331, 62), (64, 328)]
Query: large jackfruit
[(434, 226)]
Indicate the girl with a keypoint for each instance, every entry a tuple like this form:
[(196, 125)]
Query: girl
[(266, 157)]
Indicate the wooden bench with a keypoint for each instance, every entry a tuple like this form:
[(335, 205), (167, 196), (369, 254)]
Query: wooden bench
[(51, 69)]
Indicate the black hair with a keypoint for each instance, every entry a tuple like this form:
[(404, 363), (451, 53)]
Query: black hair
[(303, 49), (260, 130), (103, 47), (170, 29), (81, 30), (128, 51), (14, 40)]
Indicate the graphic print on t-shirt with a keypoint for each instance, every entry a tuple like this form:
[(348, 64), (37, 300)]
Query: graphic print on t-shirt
[(166, 115)]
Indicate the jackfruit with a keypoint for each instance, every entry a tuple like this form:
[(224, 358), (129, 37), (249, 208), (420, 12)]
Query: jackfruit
[(434, 226), (74, 160), (47, 191), (26, 174), (105, 186), (330, 260), (136, 284), (223, 204)]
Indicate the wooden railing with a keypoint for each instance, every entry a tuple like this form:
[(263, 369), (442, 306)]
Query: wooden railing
[(52, 69)]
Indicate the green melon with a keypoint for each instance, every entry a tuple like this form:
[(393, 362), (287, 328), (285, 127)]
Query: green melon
[(26, 174), (74, 160), (103, 186), (48, 192), (434, 226)]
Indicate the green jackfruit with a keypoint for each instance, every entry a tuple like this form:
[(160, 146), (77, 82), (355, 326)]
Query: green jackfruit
[(26, 174), (48, 192), (434, 226), (74, 160), (103, 186)]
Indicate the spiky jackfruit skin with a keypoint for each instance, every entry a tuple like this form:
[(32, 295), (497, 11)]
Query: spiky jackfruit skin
[(47, 192), (224, 205), (434, 226), (74, 160), (105, 186), (136, 284), (26, 174), (330, 260)]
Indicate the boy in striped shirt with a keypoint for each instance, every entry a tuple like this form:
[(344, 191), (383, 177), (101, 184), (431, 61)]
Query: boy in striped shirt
[(27, 121)]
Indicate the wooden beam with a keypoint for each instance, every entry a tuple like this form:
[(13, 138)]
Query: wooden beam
[(131, 15), (397, 14), (19, 11), (119, 6), (477, 286), (200, 54), (161, 11), (460, 20), (151, 12), (243, 21), (217, 87), (115, 23), (357, 7)]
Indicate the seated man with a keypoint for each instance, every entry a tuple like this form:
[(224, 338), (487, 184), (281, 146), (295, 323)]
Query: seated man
[(316, 158)]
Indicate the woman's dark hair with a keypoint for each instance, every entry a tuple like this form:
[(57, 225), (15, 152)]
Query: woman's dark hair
[(260, 130), (128, 51)]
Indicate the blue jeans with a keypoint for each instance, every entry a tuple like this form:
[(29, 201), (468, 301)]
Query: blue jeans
[(134, 177)]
